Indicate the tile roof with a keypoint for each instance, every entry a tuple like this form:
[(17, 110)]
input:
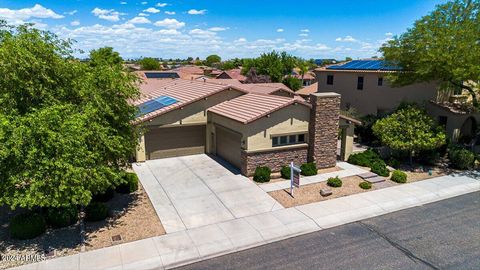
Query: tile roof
[(266, 88), (234, 74), (185, 91), (250, 107), (313, 88)]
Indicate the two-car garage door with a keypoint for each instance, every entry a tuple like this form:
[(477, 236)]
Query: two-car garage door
[(175, 141)]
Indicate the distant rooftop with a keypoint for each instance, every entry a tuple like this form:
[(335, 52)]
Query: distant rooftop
[(376, 65)]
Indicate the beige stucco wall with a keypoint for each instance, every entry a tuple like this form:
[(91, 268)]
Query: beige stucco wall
[(194, 113), (256, 136), (455, 121), (373, 98)]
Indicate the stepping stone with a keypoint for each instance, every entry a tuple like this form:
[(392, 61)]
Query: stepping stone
[(368, 175), (376, 179), (325, 192)]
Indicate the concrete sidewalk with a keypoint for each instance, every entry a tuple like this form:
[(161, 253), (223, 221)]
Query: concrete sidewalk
[(183, 247)]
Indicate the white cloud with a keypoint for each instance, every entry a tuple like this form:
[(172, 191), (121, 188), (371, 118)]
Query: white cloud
[(218, 29), (170, 12), (389, 34), (346, 39), (75, 23), (123, 3), (144, 3), (139, 20), (280, 30), (161, 4), (240, 40), (197, 12), (170, 23), (18, 16), (303, 35), (143, 14), (305, 30), (107, 14), (151, 10), (73, 12), (199, 33)]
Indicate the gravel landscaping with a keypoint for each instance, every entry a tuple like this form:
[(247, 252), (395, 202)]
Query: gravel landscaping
[(132, 217), (311, 193)]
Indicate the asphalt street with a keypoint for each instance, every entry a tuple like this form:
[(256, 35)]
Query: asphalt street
[(441, 235)]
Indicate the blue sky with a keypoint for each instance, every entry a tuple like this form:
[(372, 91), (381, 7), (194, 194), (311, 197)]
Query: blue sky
[(242, 28)]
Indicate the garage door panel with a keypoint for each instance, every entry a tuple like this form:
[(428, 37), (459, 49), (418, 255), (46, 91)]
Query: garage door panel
[(228, 145), (175, 141)]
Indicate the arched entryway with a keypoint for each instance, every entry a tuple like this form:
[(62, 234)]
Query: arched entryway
[(468, 130)]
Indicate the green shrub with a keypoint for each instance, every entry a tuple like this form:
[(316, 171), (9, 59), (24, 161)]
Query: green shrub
[(365, 158), (379, 167), (129, 185), (309, 169), (96, 211), (334, 182), (399, 176), (393, 162), (285, 172), (365, 185), (104, 196), (461, 159), (27, 226), (62, 217), (262, 174)]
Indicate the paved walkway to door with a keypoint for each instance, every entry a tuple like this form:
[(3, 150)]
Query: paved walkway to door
[(194, 191)]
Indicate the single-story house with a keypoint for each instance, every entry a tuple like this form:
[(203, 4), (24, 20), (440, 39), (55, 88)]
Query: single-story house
[(232, 74), (244, 126)]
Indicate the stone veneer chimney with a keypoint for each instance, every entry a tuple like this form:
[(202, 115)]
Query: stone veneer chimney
[(323, 129)]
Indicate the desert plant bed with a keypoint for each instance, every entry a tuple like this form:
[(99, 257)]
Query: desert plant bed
[(277, 178), (311, 193), (134, 219)]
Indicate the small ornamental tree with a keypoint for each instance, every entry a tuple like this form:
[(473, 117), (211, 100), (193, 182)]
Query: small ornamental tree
[(411, 130), (65, 125)]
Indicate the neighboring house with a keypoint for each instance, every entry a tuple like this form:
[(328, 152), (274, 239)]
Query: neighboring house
[(235, 74), (308, 78), (247, 127), (364, 87), (307, 91)]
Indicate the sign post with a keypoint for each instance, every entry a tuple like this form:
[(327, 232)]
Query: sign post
[(294, 177)]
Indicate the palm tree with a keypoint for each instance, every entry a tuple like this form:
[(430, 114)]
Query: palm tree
[(303, 67)]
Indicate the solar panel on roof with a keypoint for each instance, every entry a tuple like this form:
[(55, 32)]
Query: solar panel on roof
[(365, 65), (155, 104), (162, 75)]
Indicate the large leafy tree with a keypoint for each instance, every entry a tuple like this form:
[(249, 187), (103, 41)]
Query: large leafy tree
[(65, 126), (212, 60), (410, 130), (105, 55), (273, 64), (442, 46), (149, 63)]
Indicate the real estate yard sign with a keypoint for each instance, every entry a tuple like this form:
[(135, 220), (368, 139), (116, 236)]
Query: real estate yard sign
[(294, 177)]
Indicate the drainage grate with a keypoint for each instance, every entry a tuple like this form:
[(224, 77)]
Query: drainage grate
[(117, 238)]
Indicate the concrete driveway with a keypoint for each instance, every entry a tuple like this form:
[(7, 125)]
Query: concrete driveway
[(194, 191)]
